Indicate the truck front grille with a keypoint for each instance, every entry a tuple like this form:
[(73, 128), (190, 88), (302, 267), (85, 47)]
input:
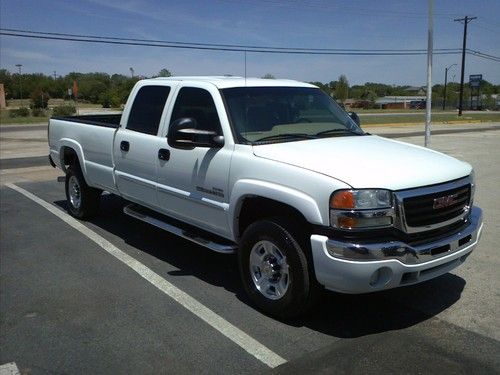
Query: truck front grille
[(437, 207)]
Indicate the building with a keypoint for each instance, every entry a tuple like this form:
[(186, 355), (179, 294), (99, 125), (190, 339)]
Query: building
[(401, 102)]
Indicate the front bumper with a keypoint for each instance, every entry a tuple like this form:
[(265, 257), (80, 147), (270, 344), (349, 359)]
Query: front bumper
[(362, 268)]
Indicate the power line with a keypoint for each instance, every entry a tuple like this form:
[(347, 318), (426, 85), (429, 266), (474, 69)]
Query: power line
[(347, 9), (218, 47), (99, 37), (234, 47), (483, 55)]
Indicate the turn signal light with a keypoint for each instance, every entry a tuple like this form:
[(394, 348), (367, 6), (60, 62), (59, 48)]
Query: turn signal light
[(347, 222), (343, 200)]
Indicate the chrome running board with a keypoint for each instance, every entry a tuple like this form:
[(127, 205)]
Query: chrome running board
[(139, 213)]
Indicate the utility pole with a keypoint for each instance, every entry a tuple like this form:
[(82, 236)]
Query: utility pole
[(428, 103), (445, 82), (19, 66), (465, 20)]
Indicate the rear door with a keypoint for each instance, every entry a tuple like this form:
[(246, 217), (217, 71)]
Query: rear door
[(135, 148)]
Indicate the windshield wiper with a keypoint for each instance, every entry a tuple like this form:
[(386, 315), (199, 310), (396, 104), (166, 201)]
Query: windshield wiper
[(335, 131), (286, 135)]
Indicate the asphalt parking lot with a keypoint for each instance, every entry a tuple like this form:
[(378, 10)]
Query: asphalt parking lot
[(81, 299)]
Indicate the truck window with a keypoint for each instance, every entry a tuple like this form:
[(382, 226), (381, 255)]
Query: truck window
[(147, 108), (198, 104)]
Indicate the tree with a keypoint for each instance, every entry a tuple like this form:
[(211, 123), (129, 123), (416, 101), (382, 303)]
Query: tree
[(369, 95), (268, 76), (342, 88), (39, 99), (164, 73), (321, 86)]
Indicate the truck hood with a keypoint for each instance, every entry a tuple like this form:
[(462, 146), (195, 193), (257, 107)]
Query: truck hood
[(368, 161)]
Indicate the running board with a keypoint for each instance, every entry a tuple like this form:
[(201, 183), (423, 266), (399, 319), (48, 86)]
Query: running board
[(137, 212)]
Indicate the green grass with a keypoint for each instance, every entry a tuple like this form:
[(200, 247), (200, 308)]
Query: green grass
[(437, 117), (380, 110), (24, 120), (16, 103), (6, 119)]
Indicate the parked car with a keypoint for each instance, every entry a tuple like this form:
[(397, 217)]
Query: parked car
[(276, 172)]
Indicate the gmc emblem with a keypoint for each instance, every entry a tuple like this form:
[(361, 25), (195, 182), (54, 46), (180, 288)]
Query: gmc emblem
[(442, 202)]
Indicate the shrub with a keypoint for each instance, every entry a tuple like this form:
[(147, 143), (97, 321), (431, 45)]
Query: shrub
[(39, 99), (109, 99), (20, 112), (64, 110), (38, 112)]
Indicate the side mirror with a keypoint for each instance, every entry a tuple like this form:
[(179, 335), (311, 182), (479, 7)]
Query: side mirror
[(354, 116), (183, 133)]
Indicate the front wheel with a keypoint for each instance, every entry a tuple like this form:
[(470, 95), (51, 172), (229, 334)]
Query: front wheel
[(82, 200), (274, 268)]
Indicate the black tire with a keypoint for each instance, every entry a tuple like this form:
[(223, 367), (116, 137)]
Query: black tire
[(302, 288), (89, 197)]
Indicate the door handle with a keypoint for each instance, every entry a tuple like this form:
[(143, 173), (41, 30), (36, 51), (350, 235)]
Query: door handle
[(164, 154), (124, 146)]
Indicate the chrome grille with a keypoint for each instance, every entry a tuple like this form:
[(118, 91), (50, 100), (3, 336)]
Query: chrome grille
[(437, 207)]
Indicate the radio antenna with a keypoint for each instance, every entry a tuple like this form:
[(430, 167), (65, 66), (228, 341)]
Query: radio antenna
[(245, 68)]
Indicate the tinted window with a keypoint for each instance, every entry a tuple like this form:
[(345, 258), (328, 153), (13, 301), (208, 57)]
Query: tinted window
[(147, 108), (263, 112), (198, 104)]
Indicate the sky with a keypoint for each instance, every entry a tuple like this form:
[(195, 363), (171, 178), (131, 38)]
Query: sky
[(353, 24)]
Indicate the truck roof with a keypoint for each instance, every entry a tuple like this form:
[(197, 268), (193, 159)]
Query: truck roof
[(224, 82)]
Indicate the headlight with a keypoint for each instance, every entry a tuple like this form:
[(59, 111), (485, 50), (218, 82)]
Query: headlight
[(361, 199), (360, 209)]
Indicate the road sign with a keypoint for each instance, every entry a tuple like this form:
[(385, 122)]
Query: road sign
[(475, 80)]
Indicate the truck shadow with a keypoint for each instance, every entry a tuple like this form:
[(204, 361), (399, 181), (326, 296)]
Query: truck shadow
[(349, 316), (338, 315)]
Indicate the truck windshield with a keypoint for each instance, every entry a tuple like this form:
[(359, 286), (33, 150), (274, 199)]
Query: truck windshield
[(262, 115)]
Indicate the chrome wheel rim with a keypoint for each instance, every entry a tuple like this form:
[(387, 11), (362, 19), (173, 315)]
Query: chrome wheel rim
[(269, 270), (74, 192)]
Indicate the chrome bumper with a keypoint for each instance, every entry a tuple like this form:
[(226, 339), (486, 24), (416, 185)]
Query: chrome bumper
[(361, 268)]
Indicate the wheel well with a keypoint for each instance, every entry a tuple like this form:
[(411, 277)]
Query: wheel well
[(69, 156), (258, 208)]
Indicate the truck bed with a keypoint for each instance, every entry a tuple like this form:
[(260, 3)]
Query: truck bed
[(108, 121)]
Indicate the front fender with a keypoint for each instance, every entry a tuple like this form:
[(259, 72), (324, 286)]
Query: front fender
[(304, 203)]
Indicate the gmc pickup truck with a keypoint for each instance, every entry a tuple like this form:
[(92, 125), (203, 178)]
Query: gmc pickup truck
[(276, 172)]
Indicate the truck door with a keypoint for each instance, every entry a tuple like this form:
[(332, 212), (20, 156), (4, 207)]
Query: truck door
[(192, 183), (135, 147)]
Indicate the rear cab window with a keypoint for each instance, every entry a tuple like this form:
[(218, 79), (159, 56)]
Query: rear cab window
[(147, 109)]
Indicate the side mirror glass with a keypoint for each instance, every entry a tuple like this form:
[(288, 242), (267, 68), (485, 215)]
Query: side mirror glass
[(354, 116), (183, 133)]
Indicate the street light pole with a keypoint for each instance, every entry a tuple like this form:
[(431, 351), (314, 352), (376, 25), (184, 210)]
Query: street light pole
[(445, 82), (19, 66)]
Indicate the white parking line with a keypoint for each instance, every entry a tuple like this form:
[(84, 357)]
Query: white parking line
[(249, 344), (9, 369)]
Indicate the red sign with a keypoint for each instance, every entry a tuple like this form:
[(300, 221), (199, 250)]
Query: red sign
[(75, 89)]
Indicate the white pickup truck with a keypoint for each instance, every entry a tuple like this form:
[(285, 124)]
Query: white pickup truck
[(276, 172)]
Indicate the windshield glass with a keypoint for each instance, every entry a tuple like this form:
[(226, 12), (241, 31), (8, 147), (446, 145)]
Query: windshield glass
[(283, 114)]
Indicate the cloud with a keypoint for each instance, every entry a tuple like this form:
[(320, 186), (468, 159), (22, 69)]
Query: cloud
[(26, 55)]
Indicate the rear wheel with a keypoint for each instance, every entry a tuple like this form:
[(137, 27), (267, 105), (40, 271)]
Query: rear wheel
[(82, 200), (274, 268)]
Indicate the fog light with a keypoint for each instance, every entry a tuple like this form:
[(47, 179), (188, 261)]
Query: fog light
[(381, 277), (363, 222)]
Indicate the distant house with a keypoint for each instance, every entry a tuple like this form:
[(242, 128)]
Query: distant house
[(401, 102), (415, 90), (350, 102)]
